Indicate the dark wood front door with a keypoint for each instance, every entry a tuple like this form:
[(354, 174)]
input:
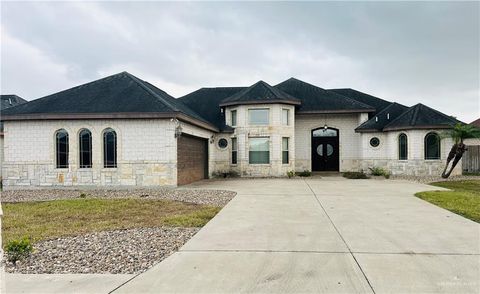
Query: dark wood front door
[(325, 150)]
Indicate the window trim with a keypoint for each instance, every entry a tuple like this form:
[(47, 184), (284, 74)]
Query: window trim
[(67, 152), (402, 135), (249, 146), (104, 133), (287, 150), (80, 154), (288, 117), (234, 151), (232, 112), (425, 149), (259, 108)]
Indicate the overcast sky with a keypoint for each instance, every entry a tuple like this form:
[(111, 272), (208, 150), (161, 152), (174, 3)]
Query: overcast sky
[(406, 52)]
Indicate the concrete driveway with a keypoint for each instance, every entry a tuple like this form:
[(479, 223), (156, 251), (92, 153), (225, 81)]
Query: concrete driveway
[(328, 235)]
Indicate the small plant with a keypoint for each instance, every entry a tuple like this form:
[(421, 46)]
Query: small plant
[(18, 249), (290, 174), (83, 195), (305, 173), (355, 175), (377, 171)]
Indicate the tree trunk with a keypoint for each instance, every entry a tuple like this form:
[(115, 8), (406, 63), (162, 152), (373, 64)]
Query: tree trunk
[(451, 155), (461, 148)]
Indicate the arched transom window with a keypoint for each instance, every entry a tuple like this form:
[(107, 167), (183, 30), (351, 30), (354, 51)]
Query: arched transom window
[(61, 149), (85, 144), (109, 149), (432, 146), (402, 147)]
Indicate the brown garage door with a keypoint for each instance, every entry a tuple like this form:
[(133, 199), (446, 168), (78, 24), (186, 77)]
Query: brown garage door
[(192, 159)]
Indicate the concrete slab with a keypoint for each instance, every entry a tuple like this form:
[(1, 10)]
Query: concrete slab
[(269, 223), (65, 283), (251, 272), (405, 273), (401, 225)]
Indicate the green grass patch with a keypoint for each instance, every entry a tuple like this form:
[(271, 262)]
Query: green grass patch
[(52, 219), (463, 200)]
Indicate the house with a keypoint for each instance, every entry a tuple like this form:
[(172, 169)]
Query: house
[(7, 101), (123, 131)]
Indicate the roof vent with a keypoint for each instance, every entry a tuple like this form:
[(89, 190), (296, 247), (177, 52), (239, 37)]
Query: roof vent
[(376, 119), (388, 115), (9, 100)]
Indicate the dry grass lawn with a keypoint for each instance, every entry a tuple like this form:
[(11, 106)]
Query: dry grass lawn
[(52, 219)]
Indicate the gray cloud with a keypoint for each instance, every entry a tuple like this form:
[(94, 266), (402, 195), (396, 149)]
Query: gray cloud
[(404, 51)]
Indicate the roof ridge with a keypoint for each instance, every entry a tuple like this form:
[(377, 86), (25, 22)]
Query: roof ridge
[(398, 117), (148, 90)]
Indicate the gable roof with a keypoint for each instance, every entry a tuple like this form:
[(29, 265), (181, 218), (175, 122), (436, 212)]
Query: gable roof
[(420, 116), (317, 100), (118, 96), (206, 102), (476, 123), (259, 93), (377, 103), (382, 118)]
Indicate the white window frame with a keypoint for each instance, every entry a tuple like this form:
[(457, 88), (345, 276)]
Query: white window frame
[(287, 123), (260, 108)]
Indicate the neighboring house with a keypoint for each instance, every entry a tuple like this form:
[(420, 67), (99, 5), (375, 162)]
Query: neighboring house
[(471, 158), (123, 131), (7, 101)]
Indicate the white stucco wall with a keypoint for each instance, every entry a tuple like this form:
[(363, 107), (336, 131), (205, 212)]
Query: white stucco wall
[(1, 155), (350, 142), (146, 154)]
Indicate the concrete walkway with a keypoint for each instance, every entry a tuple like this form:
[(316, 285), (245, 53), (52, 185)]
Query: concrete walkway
[(328, 235)]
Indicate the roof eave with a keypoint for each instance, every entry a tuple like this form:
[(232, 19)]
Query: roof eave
[(335, 111), (424, 127), (276, 101), (120, 115)]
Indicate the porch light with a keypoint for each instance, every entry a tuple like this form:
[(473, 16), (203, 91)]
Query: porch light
[(325, 127), (178, 131)]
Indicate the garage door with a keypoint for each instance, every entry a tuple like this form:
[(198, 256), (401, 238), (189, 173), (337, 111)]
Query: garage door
[(192, 159)]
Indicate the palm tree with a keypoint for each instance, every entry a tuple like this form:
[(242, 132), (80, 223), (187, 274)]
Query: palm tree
[(459, 133)]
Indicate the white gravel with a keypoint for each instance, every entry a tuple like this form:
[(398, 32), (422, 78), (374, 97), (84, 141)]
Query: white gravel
[(209, 197), (116, 252)]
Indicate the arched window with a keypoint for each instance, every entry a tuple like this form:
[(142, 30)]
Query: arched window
[(432, 146), (61, 148), (402, 147), (109, 148), (85, 143)]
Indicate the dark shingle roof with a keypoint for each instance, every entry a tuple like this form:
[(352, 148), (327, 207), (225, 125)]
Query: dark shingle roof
[(476, 123), (316, 99), (377, 103), (260, 92), (421, 117), (121, 93), (206, 102), (382, 118), (8, 101)]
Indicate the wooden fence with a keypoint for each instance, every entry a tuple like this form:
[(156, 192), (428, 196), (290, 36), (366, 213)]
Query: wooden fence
[(471, 159)]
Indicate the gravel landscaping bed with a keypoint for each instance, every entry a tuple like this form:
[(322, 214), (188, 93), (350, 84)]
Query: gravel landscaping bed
[(431, 179), (208, 197), (117, 252)]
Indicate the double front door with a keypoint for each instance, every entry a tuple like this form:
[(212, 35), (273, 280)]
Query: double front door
[(325, 150)]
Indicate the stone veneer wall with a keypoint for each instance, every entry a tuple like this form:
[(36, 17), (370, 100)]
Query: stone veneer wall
[(349, 140), (386, 154), (275, 131), (146, 154)]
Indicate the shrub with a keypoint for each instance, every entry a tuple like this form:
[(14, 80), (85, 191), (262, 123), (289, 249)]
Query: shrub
[(355, 175), (18, 249), (290, 174), (83, 195), (378, 171), (305, 173)]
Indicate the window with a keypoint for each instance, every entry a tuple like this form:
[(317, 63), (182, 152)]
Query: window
[(222, 143), (85, 144), (285, 117), (258, 116), (374, 142), (402, 147), (325, 132), (109, 149), (234, 150), (233, 118), (259, 151), (61, 149), (432, 146), (285, 150)]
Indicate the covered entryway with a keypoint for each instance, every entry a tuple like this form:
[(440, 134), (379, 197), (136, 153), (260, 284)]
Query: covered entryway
[(192, 159), (325, 149)]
